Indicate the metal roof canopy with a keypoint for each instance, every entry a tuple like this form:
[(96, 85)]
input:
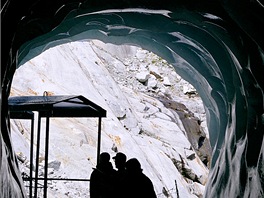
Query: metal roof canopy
[(22, 107), (56, 106)]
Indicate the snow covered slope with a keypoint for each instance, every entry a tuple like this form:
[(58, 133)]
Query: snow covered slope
[(152, 114)]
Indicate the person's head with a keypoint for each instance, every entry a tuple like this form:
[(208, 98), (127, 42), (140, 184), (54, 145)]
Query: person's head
[(120, 160), (104, 157), (133, 165)]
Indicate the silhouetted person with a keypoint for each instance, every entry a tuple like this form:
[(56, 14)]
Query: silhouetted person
[(136, 184), (102, 178), (120, 161)]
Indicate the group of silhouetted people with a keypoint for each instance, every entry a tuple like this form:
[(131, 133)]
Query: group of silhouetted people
[(126, 181)]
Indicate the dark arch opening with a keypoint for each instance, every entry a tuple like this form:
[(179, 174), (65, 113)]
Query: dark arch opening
[(208, 63), (81, 57), (222, 63)]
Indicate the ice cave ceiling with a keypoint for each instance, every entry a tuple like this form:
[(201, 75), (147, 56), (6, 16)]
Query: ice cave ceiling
[(222, 48)]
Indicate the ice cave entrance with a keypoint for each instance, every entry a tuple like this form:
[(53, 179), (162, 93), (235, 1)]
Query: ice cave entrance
[(130, 66)]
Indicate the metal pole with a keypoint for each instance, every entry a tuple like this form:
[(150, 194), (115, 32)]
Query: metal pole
[(37, 156), (99, 139), (31, 157), (46, 158)]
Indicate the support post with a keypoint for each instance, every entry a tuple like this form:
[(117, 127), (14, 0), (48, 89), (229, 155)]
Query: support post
[(37, 156), (31, 157), (99, 139), (46, 158)]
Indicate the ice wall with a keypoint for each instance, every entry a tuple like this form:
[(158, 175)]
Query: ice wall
[(220, 55)]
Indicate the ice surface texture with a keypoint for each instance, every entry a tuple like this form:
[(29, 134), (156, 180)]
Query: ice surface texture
[(214, 46)]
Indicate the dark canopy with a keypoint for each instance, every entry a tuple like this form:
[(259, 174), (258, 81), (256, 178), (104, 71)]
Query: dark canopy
[(55, 106)]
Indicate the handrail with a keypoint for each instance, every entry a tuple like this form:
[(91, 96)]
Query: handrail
[(66, 179)]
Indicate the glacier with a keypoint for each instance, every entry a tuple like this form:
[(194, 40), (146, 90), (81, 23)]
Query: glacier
[(144, 120), (222, 48)]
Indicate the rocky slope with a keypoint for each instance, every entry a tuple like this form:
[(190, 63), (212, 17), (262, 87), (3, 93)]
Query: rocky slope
[(152, 114)]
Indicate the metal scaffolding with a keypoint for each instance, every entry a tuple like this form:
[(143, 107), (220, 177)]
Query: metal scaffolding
[(22, 107)]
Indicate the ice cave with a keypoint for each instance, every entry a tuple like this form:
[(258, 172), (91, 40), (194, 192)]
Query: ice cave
[(221, 43)]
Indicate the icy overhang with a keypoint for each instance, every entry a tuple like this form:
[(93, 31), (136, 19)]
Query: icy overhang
[(233, 44)]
